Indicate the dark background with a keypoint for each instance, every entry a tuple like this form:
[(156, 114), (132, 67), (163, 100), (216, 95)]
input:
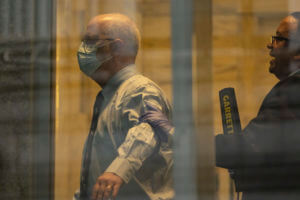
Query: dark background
[(26, 139)]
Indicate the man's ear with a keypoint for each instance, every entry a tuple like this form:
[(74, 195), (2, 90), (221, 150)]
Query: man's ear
[(117, 47)]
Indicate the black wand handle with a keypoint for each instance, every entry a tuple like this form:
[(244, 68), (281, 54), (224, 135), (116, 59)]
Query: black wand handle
[(229, 110), (230, 115)]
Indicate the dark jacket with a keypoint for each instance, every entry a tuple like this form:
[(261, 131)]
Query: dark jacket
[(266, 155)]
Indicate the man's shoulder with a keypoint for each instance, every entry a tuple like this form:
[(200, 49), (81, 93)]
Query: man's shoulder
[(139, 88), (140, 79), (291, 82), (285, 92), (138, 83)]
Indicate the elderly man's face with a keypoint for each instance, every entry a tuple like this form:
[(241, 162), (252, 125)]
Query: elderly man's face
[(94, 34), (95, 37), (279, 48)]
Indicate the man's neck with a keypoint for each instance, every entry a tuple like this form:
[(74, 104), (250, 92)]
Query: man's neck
[(294, 67), (105, 73), (291, 69)]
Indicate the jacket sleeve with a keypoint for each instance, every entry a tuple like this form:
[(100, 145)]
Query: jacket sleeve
[(140, 141), (271, 138)]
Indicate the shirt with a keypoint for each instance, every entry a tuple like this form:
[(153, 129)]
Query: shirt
[(126, 147)]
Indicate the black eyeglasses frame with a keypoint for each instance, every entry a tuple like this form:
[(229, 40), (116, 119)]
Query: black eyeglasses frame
[(279, 38)]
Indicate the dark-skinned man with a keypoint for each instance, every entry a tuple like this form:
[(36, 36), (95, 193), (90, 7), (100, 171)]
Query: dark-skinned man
[(122, 158), (266, 155)]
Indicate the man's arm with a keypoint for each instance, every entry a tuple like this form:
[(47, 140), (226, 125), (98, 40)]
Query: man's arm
[(163, 128), (137, 147), (272, 137), (139, 144)]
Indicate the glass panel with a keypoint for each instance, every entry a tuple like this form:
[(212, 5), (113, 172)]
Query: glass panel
[(241, 32), (26, 66), (191, 49), (76, 92)]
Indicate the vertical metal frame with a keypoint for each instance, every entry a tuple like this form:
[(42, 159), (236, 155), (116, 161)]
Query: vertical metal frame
[(26, 60), (194, 139), (43, 98), (184, 148)]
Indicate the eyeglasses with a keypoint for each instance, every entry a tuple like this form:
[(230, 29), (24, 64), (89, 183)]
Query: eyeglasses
[(93, 44), (95, 41), (279, 38)]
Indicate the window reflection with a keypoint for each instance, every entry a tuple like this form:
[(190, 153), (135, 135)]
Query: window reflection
[(76, 92), (47, 103)]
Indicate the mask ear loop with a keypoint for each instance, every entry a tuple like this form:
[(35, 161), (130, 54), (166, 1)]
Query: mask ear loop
[(91, 48), (104, 43)]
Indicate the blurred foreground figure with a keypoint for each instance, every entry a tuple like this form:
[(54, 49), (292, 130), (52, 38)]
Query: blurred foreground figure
[(266, 155), (122, 158)]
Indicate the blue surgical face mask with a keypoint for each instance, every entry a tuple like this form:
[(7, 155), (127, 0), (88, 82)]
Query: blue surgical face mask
[(87, 59)]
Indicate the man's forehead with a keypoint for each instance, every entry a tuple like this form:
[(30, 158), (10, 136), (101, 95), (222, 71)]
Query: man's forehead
[(287, 26), (98, 26), (94, 31)]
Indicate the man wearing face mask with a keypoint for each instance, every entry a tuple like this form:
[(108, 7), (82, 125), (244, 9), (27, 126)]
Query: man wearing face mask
[(121, 155), (266, 155)]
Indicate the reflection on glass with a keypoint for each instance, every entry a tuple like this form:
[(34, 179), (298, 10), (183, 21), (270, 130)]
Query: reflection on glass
[(47, 103), (77, 93)]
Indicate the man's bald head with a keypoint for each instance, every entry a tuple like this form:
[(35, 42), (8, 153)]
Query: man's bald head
[(117, 26), (285, 47)]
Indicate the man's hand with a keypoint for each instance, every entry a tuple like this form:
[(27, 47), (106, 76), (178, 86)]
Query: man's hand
[(107, 185)]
